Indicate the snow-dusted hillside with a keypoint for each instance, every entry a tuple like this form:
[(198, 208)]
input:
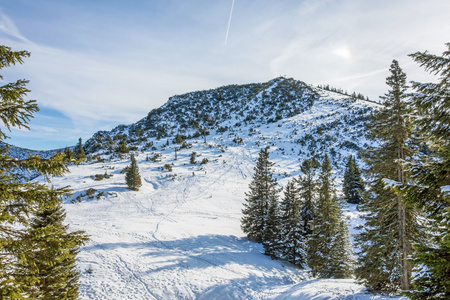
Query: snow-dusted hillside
[(179, 236)]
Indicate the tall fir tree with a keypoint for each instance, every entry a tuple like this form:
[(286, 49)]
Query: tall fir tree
[(19, 200), (353, 185), (429, 189), (48, 266), (132, 176), (307, 189), (329, 251), (390, 226), (271, 235), (292, 245), (263, 188)]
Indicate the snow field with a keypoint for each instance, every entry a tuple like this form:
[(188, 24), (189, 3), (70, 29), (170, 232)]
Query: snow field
[(179, 237)]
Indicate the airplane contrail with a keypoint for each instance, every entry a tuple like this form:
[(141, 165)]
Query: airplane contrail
[(229, 22)]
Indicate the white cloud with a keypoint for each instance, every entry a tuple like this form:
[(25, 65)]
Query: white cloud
[(8, 27)]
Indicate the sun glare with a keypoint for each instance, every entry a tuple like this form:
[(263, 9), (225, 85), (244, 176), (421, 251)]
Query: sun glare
[(344, 52)]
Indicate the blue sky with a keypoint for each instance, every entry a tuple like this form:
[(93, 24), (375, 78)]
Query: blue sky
[(96, 64)]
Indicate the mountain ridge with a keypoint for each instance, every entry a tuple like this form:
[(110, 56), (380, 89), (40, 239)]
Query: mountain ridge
[(221, 110)]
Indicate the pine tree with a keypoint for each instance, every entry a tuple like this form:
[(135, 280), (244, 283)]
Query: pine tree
[(18, 199), (328, 245), (49, 264), (292, 236), (79, 150), (429, 189), (390, 226), (353, 185), (132, 176), (307, 192), (262, 190), (271, 234)]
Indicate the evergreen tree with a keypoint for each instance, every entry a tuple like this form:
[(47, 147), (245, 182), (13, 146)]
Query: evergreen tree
[(69, 155), (49, 265), (271, 234), (429, 189), (291, 234), (79, 150), (178, 139), (328, 245), (18, 199), (123, 148), (307, 193), (192, 158), (132, 176), (262, 190), (390, 226), (353, 185)]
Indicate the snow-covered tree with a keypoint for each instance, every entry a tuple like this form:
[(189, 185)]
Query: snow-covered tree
[(132, 176), (329, 252), (307, 189), (390, 226), (262, 189), (429, 189), (292, 236), (271, 235)]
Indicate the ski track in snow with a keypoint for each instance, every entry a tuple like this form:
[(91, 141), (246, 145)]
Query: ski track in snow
[(181, 238)]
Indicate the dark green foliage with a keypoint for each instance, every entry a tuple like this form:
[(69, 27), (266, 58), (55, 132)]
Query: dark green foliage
[(353, 185), (79, 150), (291, 238), (19, 201), (329, 251), (49, 264), (307, 188), (271, 235), (262, 190), (429, 189), (168, 167), (192, 159), (390, 226), (132, 176), (99, 177)]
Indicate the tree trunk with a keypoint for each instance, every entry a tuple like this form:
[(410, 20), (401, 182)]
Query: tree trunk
[(406, 268)]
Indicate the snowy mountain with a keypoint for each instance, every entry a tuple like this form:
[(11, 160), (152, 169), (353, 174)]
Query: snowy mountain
[(179, 236)]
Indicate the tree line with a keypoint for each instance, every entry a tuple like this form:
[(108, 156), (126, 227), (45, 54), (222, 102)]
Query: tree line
[(404, 201)]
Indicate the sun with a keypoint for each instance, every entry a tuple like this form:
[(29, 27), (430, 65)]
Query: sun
[(344, 52)]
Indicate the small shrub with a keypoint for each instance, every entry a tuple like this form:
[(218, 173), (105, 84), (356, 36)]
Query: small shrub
[(192, 160), (90, 192)]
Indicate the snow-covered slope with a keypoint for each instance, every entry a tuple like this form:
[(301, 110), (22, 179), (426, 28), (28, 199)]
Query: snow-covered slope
[(179, 236)]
